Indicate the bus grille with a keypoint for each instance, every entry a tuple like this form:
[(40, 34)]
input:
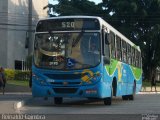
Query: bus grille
[(65, 90), (68, 83), (65, 76)]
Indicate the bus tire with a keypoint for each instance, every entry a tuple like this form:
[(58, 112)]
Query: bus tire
[(132, 97), (58, 100), (125, 97), (108, 100)]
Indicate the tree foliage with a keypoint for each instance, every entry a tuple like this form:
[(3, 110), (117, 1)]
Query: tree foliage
[(139, 20), (74, 7)]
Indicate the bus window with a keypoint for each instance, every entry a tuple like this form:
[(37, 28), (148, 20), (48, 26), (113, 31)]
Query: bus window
[(133, 56), (140, 61), (118, 44), (90, 48), (113, 49), (129, 54), (137, 58), (124, 51)]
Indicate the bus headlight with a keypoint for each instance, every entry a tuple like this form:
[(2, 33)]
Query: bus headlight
[(38, 79)]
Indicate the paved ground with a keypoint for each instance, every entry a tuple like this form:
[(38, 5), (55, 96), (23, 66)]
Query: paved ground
[(16, 88), (8, 101), (146, 103)]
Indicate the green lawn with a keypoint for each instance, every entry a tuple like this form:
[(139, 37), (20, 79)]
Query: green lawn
[(148, 83), (18, 82)]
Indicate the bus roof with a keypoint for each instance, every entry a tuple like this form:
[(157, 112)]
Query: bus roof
[(102, 23)]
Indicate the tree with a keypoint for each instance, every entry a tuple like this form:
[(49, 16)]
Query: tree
[(74, 7), (139, 20)]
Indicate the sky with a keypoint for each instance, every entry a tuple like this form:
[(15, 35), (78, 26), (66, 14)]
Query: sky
[(55, 1)]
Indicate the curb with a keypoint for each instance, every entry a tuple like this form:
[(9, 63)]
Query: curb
[(143, 93)]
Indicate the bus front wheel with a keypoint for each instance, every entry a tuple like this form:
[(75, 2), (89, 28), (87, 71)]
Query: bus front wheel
[(58, 100), (108, 100)]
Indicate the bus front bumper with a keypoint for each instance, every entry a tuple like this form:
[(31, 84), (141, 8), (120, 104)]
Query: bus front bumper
[(98, 90)]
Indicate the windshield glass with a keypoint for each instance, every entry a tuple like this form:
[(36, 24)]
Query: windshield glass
[(67, 50)]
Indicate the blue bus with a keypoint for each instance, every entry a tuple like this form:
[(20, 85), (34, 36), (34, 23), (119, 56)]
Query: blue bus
[(84, 56)]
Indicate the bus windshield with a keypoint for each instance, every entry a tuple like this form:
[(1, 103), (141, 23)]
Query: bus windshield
[(67, 50)]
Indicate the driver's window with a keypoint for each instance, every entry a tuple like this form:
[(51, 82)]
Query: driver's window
[(93, 45)]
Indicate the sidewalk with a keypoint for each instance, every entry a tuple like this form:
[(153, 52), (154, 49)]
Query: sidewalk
[(148, 89)]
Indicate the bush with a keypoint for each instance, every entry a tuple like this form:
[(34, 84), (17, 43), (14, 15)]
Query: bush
[(9, 73), (17, 74)]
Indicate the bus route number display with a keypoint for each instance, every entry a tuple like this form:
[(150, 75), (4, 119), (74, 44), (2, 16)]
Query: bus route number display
[(68, 24)]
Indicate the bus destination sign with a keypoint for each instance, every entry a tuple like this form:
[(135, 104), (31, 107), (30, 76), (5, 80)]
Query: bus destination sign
[(67, 24)]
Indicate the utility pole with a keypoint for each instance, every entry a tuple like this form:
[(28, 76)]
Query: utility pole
[(30, 41)]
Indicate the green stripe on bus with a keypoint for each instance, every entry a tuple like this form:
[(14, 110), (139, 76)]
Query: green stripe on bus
[(112, 67), (137, 72)]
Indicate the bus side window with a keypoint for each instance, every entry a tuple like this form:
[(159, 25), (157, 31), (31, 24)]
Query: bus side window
[(118, 44), (113, 49), (124, 51), (106, 48), (140, 60), (129, 54), (133, 56), (137, 58)]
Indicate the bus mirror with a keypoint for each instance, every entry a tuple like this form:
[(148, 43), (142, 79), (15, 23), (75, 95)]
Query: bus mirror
[(106, 60), (107, 39)]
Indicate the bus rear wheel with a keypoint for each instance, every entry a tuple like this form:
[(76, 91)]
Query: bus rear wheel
[(132, 97), (125, 97), (58, 100), (108, 101)]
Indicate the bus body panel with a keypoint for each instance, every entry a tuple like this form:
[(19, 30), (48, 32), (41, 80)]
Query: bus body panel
[(125, 76), (98, 89)]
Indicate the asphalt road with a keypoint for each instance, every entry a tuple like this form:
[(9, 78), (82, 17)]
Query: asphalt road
[(143, 104), (16, 88), (9, 100), (83, 109)]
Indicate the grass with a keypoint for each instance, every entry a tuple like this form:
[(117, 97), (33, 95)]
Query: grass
[(148, 84), (18, 82)]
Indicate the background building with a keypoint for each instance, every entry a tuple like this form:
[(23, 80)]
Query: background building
[(17, 23)]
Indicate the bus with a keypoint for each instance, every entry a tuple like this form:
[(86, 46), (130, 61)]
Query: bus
[(84, 57)]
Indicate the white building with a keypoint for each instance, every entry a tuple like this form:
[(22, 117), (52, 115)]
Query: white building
[(17, 23)]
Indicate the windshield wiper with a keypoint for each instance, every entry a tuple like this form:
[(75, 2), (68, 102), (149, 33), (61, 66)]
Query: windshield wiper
[(75, 42)]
